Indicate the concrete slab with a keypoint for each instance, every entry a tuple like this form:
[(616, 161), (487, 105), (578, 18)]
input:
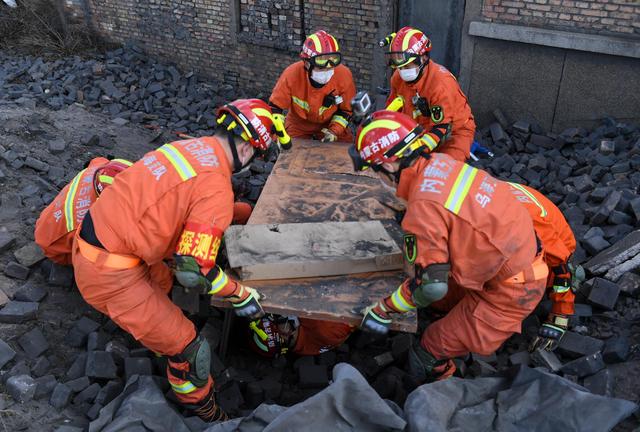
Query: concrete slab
[(283, 251)]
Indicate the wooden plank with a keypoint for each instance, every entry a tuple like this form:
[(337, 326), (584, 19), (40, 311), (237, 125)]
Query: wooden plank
[(315, 182), (331, 298), (286, 251)]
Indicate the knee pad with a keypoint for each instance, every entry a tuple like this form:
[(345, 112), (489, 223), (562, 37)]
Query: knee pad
[(434, 285), (198, 355)]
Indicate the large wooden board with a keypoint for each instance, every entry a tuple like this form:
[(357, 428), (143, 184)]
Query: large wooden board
[(315, 182), (316, 249)]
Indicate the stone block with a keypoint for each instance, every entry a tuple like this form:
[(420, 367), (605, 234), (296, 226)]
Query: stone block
[(30, 292), (230, 398), (607, 147), (119, 121), (400, 345), (137, 366), (313, 376), (33, 343), (17, 271), (634, 204), (583, 183), (44, 386), (542, 141), (97, 341), (16, 312), (6, 353), (22, 388), (600, 383), (57, 146), (77, 335), (603, 293), (94, 412), (100, 365), (574, 345), (546, 359), (595, 244), (621, 251), (584, 366), (29, 254), (616, 349), (60, 397)]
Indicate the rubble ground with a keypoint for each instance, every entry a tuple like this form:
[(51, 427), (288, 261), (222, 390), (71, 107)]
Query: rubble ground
[(61, 361)]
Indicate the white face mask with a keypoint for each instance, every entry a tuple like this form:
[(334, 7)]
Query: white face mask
[(409, 75), (321, 76)]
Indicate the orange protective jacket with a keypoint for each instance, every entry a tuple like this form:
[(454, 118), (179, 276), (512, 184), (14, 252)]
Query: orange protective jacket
[(317, 336), (59, 220), (307, 117), (557, 240), (450, 110)]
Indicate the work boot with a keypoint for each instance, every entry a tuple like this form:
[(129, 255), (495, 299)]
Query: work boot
[(424, 367), (208, 410)]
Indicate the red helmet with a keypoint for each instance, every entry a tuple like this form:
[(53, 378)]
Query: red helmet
[(407, 45), (104, 175), (249, 118), (266, 338), (385, 137), (321, 49)]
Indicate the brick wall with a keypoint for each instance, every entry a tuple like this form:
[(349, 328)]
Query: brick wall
[(244, 42), (613, 17)]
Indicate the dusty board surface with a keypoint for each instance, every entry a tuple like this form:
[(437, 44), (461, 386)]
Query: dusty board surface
[(331, 298), (285, 251), (315, 182)]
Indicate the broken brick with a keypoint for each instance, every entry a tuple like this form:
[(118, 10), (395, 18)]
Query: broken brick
[(77, 335), (33, 343), (78, 384), (44, 386), (88, 394), (61, 396), (600, 383), (587, 365), (546, 359), (574, 345), (22, 388), (137, 366), (313, 376), (109, 392), (606, 208), (6, 241), (76, 370), (6, 353), (100, 364), (30, 293), (94, 411), (16, 271), (629, 284), (60, 275), (97, 341), (29, 254), (603, 293), (616, 349), (17, 312), (40, 367), (595, 244)]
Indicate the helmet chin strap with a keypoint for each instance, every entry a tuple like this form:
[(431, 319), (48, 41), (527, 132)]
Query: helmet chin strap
[(237, 163), (421, 68), (406, 161)]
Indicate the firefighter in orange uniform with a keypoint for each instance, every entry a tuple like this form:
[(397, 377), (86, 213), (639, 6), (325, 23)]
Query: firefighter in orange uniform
[(57, 223), (471, 248), (274, 335), (175, 202), (316, 92), (429, 93), (558, 243)]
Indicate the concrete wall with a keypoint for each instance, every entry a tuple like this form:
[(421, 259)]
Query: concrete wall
[(442, 22), (560, 78), (555, 87)]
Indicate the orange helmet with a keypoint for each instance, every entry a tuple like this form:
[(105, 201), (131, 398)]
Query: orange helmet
[(104, 175), (407, 45), (321, 50), (266, 338), (385, 137), (249, 118)]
